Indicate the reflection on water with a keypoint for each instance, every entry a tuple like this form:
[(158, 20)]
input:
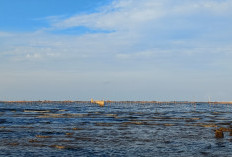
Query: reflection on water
[(118, 129)]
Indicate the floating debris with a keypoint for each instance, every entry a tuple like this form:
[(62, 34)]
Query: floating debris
[(33, 141), (169, 124), (77, 128), (69, 133), (37, 111), (209, 125), (42, 136), (99, 102), (219, 134), (62, 110), (225, 129), (62, 115), (104, 124), (136, 123), (58, 146), (14, 144)]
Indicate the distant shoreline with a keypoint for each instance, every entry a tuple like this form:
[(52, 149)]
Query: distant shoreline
[(128, 102)]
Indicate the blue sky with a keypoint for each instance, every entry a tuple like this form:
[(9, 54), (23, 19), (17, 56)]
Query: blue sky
[(116, 49)]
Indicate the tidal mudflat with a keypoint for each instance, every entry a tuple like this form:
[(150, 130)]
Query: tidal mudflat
[(117, 129)]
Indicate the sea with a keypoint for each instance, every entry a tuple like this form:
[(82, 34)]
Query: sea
[(117, 129)]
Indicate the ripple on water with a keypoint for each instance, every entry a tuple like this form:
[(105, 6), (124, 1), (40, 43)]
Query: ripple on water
[(135, 129)]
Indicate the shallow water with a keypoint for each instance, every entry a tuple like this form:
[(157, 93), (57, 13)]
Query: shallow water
[(118, 129)]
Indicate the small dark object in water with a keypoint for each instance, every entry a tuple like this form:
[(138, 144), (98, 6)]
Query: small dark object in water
[(14, 144), (58, 146), (225, 129), (219, 134), (69, 133), (231, 133), (2, 121)]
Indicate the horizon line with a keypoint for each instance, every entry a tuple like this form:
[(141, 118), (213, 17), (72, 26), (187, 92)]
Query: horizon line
[(114, 101)]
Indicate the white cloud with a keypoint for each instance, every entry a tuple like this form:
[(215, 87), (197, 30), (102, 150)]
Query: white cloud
[(140, 27), (126, 15), (180, 41), (5, 34), (120, 15), (33, 56)]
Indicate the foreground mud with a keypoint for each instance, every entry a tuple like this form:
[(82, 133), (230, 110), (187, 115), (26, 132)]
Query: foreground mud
[(117, 129)]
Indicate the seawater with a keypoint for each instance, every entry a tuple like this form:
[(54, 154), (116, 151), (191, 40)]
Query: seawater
[(117, 129)]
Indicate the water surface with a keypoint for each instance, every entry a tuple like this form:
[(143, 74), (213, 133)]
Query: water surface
[(118, 129)]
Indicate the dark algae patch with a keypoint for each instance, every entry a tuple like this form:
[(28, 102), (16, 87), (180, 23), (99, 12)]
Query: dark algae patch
[(46, 128)]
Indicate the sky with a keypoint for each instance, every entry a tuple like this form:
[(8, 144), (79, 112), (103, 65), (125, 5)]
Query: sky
[(161, 50)]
